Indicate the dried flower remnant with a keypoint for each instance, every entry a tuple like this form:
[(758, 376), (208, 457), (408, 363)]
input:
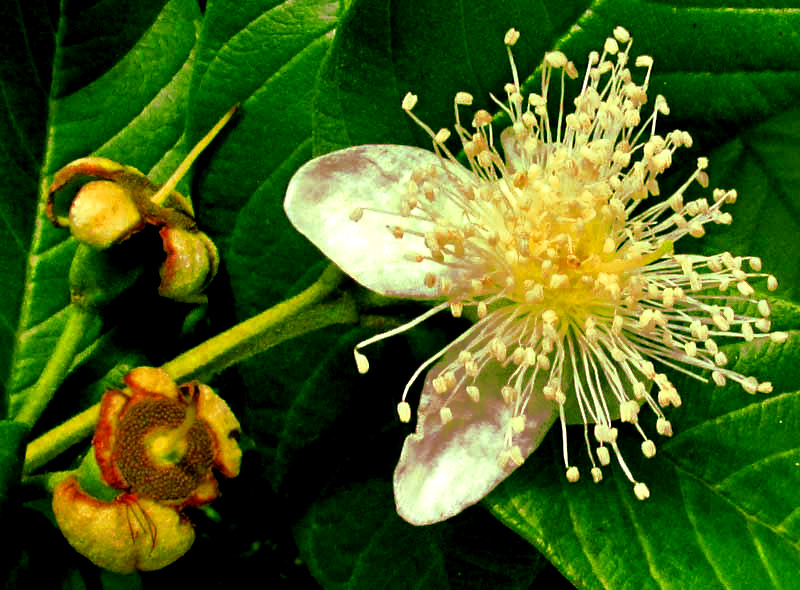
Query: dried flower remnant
[(573, 277), (155, 446), (107, 203)]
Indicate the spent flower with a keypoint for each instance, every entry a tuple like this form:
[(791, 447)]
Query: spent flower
[(153, 453), (557, 242)]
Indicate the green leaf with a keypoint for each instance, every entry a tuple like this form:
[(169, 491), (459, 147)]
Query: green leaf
[(101, 106), (762, 163), (264, 55), (13, 437), (745, 72), (25, 75)]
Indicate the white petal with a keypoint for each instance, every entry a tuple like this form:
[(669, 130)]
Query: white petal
[(324, 192), (444, 468)]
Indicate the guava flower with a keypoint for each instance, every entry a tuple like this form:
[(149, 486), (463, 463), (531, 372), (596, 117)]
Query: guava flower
[(559, 244), (155, 446)]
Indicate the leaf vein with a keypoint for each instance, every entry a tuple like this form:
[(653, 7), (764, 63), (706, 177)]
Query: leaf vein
[(700, 542), (762, 557), (627, 500)]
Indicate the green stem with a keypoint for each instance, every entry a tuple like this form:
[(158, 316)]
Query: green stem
[(46, 481), (256, 334), (79, 319), (299, 315)]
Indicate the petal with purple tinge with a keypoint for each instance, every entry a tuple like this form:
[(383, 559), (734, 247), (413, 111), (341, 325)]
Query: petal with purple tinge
[(348, 202), (453, 461)]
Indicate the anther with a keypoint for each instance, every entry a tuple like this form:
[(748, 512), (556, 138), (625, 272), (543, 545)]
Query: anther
[(603, 456), (663, 427), (404, 411), (573, 474), (409, 101), (511, 37), (362, 364), (446, 415), (649, 449)]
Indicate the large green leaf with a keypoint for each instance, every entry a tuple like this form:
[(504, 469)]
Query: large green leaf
[(98, 106), (264, 55)]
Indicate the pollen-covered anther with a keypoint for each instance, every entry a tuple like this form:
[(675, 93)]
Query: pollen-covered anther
[(446, 415), (559, 281), (439, 385), (763, 308), (555, 59), (597, 475), (663, 426), (482, 310), (603, 455), (778, 337), (404, 411), (481, 119), (511, 37), (509, 394), (649, 449), (534, 295), (629, 411), (641, 491), (573, 475), (362, 364), (772, 283), (409, 101), (750, 384), (463, 98), (605, 434), (498, 349), (518, 424), (668, 395), (442, 135), (515, 455)]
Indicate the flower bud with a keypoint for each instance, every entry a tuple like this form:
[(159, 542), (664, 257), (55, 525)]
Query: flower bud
[(191, 264), (103, 213)]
